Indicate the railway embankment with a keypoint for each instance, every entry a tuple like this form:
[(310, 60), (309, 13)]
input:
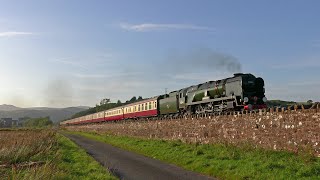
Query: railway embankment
[(291, 130)]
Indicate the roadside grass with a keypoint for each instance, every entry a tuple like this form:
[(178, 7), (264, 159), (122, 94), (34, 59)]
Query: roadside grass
[(75, 163), (219, 160), (44, 154)]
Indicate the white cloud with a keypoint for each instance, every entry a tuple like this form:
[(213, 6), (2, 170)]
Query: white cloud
[(69, 61), (155, 27), (77, 75), (14, 33)]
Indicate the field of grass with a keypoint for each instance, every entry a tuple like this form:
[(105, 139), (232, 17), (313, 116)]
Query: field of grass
[(44, 154), (221, 161)]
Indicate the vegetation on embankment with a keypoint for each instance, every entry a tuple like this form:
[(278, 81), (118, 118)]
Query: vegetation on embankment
[(38, 122), (221, 161), (43, 154), (281, 103)]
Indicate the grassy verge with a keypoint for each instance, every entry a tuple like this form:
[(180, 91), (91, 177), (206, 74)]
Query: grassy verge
[(221, 161), (74, 163), (43, 154)]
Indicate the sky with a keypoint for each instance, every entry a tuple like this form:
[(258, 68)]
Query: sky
[(76, 52)]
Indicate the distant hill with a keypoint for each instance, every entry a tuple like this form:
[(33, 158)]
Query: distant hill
[(281, 103), (56, 114), (272, 103), (8, 107)]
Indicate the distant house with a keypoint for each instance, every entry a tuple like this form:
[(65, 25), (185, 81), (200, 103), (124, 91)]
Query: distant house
[(15, 122), (6, 122)]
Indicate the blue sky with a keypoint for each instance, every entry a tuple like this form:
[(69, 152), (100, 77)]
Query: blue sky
[(66, 53)]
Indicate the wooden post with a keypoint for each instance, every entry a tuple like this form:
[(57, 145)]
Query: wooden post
[(302, 107), (295, 107)]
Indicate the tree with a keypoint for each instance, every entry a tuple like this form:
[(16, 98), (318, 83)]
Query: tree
[(119, 102), (38, 122), (133, 99), (104, 101), (140, 98), (309, 101)]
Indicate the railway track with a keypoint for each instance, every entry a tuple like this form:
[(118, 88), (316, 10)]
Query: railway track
[(314, 106)]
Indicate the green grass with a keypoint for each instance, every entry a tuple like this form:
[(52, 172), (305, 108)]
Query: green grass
[(221, 161), (75, 163)]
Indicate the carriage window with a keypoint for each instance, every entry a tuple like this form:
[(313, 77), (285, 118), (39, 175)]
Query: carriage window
[(149, 105), (139, 108), (142, 107), (146, 106), (155, 105)]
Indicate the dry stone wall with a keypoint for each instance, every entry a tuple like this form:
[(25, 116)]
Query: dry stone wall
[(294, 130)]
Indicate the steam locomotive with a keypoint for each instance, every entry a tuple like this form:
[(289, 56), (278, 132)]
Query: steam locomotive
[(237, 93)]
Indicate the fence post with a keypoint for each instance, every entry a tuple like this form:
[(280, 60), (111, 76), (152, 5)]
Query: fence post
[(302, 107)]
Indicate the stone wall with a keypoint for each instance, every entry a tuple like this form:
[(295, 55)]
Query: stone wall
[(294, 130)]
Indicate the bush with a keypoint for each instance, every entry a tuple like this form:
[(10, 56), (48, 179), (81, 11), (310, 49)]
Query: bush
[(38, 122)]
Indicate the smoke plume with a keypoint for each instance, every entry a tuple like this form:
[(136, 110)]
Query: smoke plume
[(203, 59)]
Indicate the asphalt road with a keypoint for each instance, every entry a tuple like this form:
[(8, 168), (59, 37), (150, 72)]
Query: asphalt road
[(132, 166)]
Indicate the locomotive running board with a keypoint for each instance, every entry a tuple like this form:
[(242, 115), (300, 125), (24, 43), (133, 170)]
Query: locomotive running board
[(212, 100)]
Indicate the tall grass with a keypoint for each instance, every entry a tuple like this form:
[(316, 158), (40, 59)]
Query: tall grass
[(43, 154)]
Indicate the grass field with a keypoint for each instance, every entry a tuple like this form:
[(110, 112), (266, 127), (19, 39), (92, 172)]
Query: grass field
[(44, 154), (221, 161)]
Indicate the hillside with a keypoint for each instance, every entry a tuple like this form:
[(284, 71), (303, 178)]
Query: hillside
[(56, 114), (8, 107), (281, 103)]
